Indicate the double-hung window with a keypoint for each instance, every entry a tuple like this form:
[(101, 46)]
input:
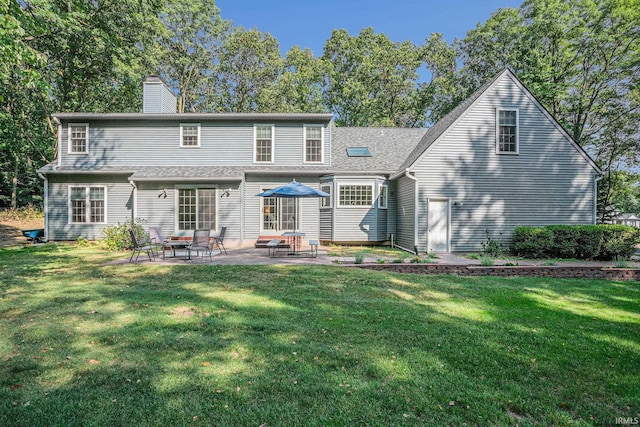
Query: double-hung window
[(87, 204), (263, 143), (313, 152), (190, 135), (196, 208), (507, 132), (355, 195), (382, 196), (325, 202), (78, 138)]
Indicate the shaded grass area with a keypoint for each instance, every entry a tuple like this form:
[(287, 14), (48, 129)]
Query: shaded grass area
[(87, 343)]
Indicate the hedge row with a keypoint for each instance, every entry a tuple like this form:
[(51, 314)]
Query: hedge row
[(602, 241)]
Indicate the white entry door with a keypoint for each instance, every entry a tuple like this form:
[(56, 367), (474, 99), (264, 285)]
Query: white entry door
[(438, 238)]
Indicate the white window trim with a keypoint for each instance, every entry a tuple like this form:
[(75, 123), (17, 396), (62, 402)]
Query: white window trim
[(508, 153), (352, 184), (273, 143), (176, 210), (304, 144), (182, 125), (330, 205), (88, 212), (86, 146), (386, 196)]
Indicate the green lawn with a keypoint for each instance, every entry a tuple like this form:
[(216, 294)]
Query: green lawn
[(87, 343)]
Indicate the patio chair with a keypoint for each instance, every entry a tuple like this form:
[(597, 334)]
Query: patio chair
[(218, 241), (157, 239), (139, 245), (201, 242)]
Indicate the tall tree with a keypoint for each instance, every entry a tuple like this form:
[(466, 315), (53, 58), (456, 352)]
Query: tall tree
[(186, 53), (249, 66), (299, 86), (372, 81)]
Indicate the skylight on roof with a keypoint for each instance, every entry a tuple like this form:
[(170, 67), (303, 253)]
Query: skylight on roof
[(358, 152)]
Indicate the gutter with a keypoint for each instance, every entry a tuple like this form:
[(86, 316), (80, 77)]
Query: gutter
[(46, 206)]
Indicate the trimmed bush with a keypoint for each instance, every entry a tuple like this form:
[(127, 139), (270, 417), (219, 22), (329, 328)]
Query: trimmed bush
[(602, 241), (619, 241), (533, 242)]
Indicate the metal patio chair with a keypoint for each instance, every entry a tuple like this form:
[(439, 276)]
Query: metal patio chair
[(140, 244), (157, 239), (218, 241), (201, 242)]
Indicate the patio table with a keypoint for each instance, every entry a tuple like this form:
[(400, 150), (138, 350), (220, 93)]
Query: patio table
[(294, 238), (178, 244)]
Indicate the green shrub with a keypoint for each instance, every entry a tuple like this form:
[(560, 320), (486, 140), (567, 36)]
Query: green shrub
[(619, 241), (602, 241), (117, 238), (360, 257), (532, 242)]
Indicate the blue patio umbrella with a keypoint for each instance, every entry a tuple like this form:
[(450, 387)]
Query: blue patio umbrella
[(294, 190)]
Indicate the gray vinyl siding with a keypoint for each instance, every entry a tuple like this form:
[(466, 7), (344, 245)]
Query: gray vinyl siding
[(309, 208), (157, 143), (392, 209), (157, 98), (405, 213), (119, 205), (161, 212), (548, 182), (358, 223)]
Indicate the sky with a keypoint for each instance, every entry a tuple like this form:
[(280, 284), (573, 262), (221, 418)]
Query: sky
[(309, 24)]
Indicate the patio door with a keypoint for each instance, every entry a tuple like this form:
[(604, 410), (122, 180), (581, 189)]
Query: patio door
[(438, 234), (279, 214)]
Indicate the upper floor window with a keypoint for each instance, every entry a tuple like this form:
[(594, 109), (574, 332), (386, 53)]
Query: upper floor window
[(190, 135), (263, 143), (355, 195), (78, 138), (382, 196), (313, 152), (87, 204), (507, 132)]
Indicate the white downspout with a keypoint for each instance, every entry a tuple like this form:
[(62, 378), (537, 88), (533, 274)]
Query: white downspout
[(134, 210), (46, 206), (59, 153)]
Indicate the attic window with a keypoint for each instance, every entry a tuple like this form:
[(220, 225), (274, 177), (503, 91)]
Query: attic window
[(358, 152)]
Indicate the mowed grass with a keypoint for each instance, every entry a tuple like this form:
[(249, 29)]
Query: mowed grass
[(83, 342)]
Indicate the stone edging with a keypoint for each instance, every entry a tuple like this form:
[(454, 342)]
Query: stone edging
[(509, 271)]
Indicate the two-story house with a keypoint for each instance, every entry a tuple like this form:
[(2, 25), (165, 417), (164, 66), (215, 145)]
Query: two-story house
[(497, 161)]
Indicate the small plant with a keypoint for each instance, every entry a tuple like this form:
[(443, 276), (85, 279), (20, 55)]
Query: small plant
[(428, 260), (511, 264), (82, 241), (621, 263), (398, 261), (486, 261), (415, 260), (473, 256), (550, 263), (380, 261), (359, 259), (432, 255), (492, 247)]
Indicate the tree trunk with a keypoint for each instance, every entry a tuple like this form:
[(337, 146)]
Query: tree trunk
[(14, 185)]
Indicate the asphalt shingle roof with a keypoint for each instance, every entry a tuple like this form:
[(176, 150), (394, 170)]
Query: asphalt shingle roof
[(389, 147)]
